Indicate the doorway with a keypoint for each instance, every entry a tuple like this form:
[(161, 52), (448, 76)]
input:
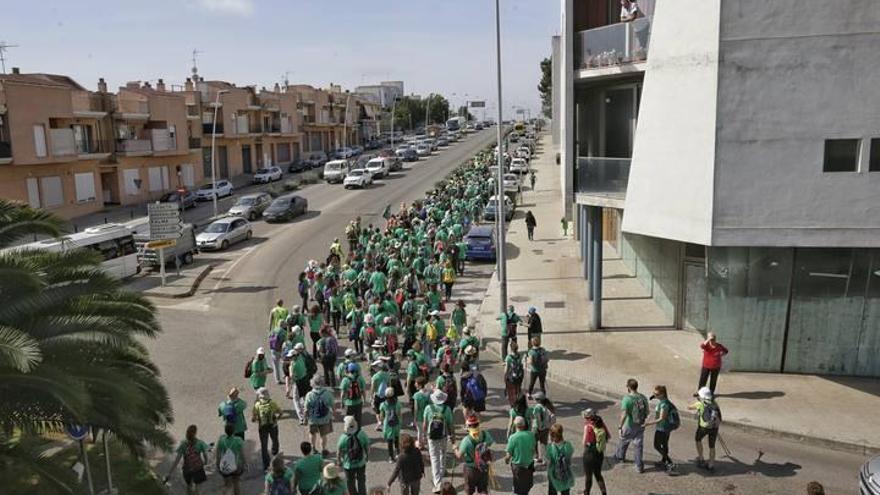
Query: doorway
[(110, 188), (695, 303), (246, 165)]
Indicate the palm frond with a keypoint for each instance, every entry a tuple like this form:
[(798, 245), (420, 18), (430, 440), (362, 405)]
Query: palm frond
[(18, 350), (19, 221)]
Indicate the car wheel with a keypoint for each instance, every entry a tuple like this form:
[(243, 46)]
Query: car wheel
[(188, 259), (224, 245), (249, 234)]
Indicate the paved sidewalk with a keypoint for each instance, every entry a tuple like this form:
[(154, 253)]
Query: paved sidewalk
[(176, 286), (639, 343)]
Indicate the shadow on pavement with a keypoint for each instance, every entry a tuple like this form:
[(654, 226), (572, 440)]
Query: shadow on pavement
[(756, 395), (244, 289), (563, 355)]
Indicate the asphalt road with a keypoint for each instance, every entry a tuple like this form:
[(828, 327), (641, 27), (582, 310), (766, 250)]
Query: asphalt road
[(208, 337)]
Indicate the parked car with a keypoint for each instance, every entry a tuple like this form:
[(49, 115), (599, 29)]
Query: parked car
[(407, 154), (286, 207), (335, 170), (315, 159), (491, 209), (267, 175), (423, 149), (251, 206), (442, 141), (208, 191), (869, 477), (357, 149), (344, 153), (358, 177), (393, 163), (519, 166), (224, 232), (377, 167), (511, 183), (480, 243), (183, 197), (182, 251), (298, 166)]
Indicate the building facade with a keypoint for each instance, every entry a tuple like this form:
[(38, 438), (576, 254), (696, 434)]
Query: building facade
[(730, 153)]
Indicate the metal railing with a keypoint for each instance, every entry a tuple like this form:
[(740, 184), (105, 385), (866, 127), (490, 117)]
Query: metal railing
[(163, 140), (133, 146), (602, 175), (5, 149), (93, 146), (62, 142), (195, 143), (615, 44)]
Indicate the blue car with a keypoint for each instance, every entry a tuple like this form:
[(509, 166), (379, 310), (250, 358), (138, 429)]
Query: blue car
[(481, 243)]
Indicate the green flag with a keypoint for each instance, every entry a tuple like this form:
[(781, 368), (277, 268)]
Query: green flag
[(386, 214)]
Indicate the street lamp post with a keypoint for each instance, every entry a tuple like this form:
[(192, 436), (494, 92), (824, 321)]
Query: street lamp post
[(427, 110), (214, 150), (502, 262), (393, 106)]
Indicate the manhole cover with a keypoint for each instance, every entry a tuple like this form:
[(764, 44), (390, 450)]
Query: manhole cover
[(520, 298), (538, 251), (554, 304), (551, 243), (548, 261)]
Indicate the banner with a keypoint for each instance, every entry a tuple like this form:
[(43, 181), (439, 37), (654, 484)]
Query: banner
[(478, 104)]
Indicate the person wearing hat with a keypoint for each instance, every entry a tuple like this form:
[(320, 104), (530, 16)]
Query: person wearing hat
[(708, 422), (595, 439), (342, 368), (410, 467), (258, 369), (331, 483), (520, 454), (298, 379), (469, 358), (468, 339), (352, 390), (390, 418), (509, 321), (533, 323), (266, 413), (319, 406), (475, 450), (438, 427), (634, 413), (447, 383), (279, 478), (352, 452), (231, 411), (379, 384)]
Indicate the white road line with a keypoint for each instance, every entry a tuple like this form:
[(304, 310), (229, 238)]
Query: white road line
[(247, 251)]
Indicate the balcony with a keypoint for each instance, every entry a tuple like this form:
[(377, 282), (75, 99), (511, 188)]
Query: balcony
[(613, 45), (5, 152), (87, 147), (602, 177), (163, 140), (195, 143), (133, 109), (208, 129), (134, 147), (62, 142), (88, 105)]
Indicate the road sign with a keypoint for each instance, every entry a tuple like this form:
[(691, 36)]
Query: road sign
[(77, 432), (163, 244), (478, 104), (164, 221)]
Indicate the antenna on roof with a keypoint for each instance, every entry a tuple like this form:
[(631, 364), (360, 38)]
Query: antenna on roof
[(286, 78), (3, 47), (195, 69)]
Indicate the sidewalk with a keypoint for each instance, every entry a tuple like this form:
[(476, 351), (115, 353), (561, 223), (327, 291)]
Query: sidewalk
[(176, 286), (546, 273)]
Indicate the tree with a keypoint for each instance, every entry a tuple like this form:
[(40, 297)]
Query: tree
[(69, 348), (545, 87)]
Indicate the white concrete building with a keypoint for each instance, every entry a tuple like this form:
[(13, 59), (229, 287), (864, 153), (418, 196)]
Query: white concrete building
[(383, 93), (730, 152)]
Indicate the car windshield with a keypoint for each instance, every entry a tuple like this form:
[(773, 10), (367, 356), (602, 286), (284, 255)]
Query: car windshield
[(334, 166), (281, 202), (169, 197), (217, 228), (206, 187), (246, 201), (355, 173), (263, 171)]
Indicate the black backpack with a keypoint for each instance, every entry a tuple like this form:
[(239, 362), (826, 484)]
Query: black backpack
[(437, 426), (311, 366), (355, 450), (515, 372)]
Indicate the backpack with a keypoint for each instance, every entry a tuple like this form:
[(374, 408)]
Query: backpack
[(370, 336), (355, 450), (448, 276), (248, 371), (539, 359), (192, 460), (303, 287), (391, 343), (319, 407), (382, 387), (230, 414), (276, 341), (391, 420), (354, 391), (711, 416), (311, 367), (543, 418), (431, 331), (228, 462), (330, 348), (640, 410), (562, 468), (472, 386), (280, 486), (515, 372), (264, 413), (437, 426), (448, 357), (482, 456), (450, 388), (601, 439), (673, 418)]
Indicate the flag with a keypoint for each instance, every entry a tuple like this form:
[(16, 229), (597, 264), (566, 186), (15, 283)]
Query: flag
[(386, 213)]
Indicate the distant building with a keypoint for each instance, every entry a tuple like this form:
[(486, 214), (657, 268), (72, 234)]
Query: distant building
[(383, 93)]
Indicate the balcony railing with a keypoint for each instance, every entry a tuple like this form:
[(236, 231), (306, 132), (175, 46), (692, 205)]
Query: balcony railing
[(195, 143), (163, 140), (209, 128), (134, 146), (5, 149), (62, 142), (615, 44), (88, 102), (92, 146), (602, 175)]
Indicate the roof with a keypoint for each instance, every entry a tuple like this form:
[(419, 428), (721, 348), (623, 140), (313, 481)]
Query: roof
[(481, 231), (48, 80)]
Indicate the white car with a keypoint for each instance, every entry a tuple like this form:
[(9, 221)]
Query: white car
[(224, 232), (519, 166), (423, 149), (511, 183), (209, 190), (523, 152), (345, 153), (357, 178), (267, 175), (377, 167), (335, 170)]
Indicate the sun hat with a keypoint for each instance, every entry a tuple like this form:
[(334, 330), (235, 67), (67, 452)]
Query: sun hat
[(434, 312), (350, 352), (389, 392), (260, 351), (588, 413), (349, 425), (438, 397), (705, 393), (368, 317), (331, 471), (532, 309), (299, 347), (290, 353), (470, 350), (352, 368)]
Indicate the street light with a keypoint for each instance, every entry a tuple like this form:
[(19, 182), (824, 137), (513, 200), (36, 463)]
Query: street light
[(427, 108), (214, 150), (393, 106), (502, 262)]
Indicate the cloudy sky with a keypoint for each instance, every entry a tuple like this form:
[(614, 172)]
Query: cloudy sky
[(433, 46)]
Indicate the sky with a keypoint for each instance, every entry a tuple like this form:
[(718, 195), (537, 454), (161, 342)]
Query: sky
[(445, 47)]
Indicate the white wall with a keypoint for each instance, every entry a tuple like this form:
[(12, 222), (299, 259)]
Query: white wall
[(671, 180), (566, 107)]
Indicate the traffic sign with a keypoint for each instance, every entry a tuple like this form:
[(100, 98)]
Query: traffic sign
[(164, 221), (163, 244), (77, 432), (478, 104)]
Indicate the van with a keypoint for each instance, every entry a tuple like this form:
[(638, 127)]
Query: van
[(184, 250), (335, 170)]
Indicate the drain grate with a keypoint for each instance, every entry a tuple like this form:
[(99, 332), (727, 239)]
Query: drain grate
[(538, 251), (554, 304)]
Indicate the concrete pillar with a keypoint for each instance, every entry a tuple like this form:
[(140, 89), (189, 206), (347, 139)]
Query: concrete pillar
[(566, 106), (582, 234), (597, 268), (588, 215)]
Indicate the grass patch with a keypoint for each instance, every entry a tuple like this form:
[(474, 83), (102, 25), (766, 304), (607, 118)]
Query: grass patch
[(310, 177)]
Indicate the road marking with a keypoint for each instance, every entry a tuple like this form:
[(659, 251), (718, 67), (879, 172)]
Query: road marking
[(247, 251)]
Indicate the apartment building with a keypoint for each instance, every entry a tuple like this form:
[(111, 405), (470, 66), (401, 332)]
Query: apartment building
[(319, 128), (729, 153), (383, 93)]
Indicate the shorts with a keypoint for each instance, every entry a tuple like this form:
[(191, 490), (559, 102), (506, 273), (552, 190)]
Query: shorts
[(475, 480), (702, 432), (324, 429), (195, 477), (541, 436), (233, 475)]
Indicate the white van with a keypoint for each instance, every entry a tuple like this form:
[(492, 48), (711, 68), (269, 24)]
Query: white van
[(335, 170)]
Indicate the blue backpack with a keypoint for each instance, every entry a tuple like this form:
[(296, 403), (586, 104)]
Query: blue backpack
[(230, 414), (474, 390)]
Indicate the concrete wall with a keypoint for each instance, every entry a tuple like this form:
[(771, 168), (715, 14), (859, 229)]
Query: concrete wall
[(567, 107), (556, 83), (656, 264), (671, 179), (792, 74), (13, 185), (30, 105)]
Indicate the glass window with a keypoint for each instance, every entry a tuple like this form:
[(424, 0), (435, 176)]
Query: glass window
[(874, 164), (841, 155)]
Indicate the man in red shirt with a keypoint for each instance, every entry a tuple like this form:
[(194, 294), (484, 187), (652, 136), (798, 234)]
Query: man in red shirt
[(712, 352)]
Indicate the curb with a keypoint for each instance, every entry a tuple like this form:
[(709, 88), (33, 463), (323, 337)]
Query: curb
[(192, 290)]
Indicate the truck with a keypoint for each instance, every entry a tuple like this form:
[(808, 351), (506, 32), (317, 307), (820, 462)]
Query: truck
[(456, 124), (183, 251)]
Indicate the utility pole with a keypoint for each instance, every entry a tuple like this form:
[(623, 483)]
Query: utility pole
[(3, 48), (499, 217)]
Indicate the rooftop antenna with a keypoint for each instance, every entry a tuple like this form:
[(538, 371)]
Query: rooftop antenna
[(286, 78), (3, 47), (195, 53)]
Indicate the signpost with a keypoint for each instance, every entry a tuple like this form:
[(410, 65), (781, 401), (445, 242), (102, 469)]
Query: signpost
[(165, 225), (79, 433)]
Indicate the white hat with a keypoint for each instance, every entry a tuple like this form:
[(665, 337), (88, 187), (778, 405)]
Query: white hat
[(377, 345), (470, 350), (387, 319), (434, 312), (349, 425), (263, 393), (296, 329), (389, 392), (378, 363), (290, 353), (350, 352), (296, 309), (299, 347), (368, 317), (260, 351), (438, 397), (705, 393), (331, 471)]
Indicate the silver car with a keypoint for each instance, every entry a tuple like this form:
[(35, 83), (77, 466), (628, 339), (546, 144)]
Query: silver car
[(869, 477), (251, 206), (224, 232)]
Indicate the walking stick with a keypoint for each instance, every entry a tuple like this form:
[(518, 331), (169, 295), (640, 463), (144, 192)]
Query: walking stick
[(723, 445)]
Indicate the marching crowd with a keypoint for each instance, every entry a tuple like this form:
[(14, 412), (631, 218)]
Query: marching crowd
[(412, 361)]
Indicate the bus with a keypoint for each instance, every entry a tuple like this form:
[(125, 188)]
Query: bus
[(114, 241), (455, 124)]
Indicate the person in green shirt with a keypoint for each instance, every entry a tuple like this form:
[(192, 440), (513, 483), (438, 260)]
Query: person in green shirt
[(320, 405), (419, 400), (520, 454), (232, 411), (468, 339), (390, 416), (230, 441), (378, 283), (379, 383), (438, 426), (279, 476), (559, 454), (537, 358), (278, 314), (266, 413), (508, 320), (331, 483), (663, 420), (353, 457), (336, 308), (634, 413), (259, 370), (307, 471), (459, 317), (475, 450), (353, 390), (316, 319), (298, 381), (194, 453)]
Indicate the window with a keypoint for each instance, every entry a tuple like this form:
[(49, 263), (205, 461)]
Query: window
[(33, 189), (841, 155), (132, 180), (85, 187), (53, 193), (40, 141), (187, 175), (874, 165)]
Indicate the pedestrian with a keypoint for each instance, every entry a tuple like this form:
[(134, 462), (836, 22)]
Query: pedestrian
[(231, 411), (538, 364), (353, 390), (277, 337), (319, 406), (476, 451), (258, 370), (520, 454), (266, 413), (532, 178), (410, 467), (473, 391), (509, 321), (355, 319), (379, 384), (316, 321), (559, 453), (446, 383), (564, 223), (815, 488), (543, 415), (303, 286), (448, 279), (634, 413), (307, 471), (230, 459), (520, 409), (595, 439), (389, 416), (469, 358), (458, 319), (331, 483), (194, 454), (666, 419), (336, 308), (468, 339), (277, 314), (712, 353), (461, 255), (352, 452), (708, 422), (328, 352), (419, 401), (298, 379), (514, 374), (437, 423), (531, 223), (279, 480), (533, 323)]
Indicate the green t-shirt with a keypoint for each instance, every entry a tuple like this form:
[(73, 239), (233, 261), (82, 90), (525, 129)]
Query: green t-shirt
[(555, 452), (442, 410), (521, 447), (308, 472), (324, 395), (377, 380), (378, 282), (459, 317), (390, 432), (288, 475), (298, 368), (233, 443), (504, 319), (315, 323), (345, 386), (342, 447), (258, 377), (468, 445), (533, 356), (421, 399), (334, 487), (662, 425), (198, 445), (629, 405), (240, 421)]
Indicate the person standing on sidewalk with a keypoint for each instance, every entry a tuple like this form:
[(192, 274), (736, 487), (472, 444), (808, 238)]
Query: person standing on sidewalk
[(514, 374), (475, 450), (531, 223), (595, 439), (712, 353), (538, 364), (520, 454), (634, 413), (533, 322), (231, 411), (352, 452), (666, 419), (266, 413), (438, 425), (559, 453), (564, 223), (410, 467), (509, 320), (708, 422), (532, 178), (319, 405)]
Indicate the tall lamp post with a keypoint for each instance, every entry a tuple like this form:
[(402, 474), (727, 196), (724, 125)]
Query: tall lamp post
[(502, 262), (427, 110), (393, 106), (214, 150)]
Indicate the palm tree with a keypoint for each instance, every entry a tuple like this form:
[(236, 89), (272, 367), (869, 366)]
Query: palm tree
[(69, 343)]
